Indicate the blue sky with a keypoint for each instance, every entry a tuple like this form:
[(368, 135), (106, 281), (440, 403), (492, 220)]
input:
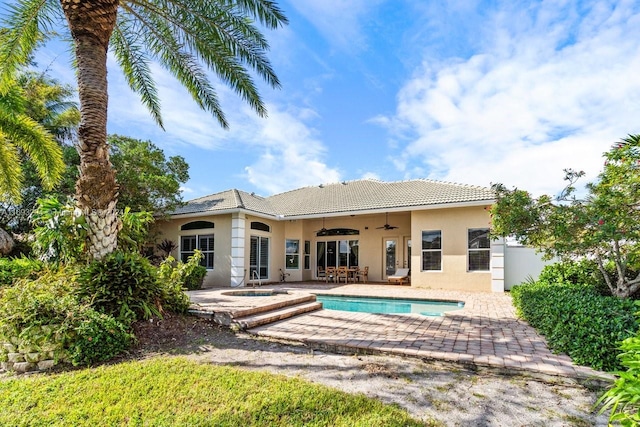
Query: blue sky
[(474, 92)]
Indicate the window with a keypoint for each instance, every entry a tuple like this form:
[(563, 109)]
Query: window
[(479, 249), (338, 253), (197, 225), (292, 254), (260, 226), (259, 258), (432, 250), (203, 242), (307, 254)]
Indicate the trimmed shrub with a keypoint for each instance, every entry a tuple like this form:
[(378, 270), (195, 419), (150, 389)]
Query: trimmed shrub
[(122, 284), (99, 337), (12, 269), (575, 318)]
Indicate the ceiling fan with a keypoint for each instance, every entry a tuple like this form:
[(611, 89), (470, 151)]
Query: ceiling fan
[(322, 230), (386, 226)]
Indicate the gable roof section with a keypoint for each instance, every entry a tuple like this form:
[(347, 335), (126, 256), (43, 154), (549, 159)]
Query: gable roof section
[(350, 196)]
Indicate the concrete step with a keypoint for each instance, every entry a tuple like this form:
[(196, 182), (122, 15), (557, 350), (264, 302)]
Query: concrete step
[(226, 317), (263, 318)]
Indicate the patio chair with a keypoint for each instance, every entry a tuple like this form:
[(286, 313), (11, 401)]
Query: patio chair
[(400, 277), (363, 274), (343, 273), (321, 273), (330, 274)]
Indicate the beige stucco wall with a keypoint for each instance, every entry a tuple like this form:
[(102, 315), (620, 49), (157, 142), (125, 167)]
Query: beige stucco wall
[(370, 240), (454, 224), (221, 273)]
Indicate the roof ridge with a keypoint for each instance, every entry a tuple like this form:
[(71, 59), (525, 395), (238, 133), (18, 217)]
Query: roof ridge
[(238, 198), (209, 195)]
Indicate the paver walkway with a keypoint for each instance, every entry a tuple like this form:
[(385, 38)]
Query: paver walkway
[(485, 332)]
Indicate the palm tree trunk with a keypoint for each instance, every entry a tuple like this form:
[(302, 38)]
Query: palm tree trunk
[(91, 23)]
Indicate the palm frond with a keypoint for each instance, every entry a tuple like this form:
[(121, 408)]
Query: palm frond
[(28, 22), (135, 64), (24, 132), (216, 33), (162, 44), (11, 177), (265, 11)]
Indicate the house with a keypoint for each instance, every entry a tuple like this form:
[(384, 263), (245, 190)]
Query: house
[(439, 230)]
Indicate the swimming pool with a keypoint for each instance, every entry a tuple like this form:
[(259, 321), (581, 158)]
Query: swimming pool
[(388, 305)]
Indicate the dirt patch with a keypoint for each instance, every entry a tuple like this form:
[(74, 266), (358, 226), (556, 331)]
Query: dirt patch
[(449, 394)]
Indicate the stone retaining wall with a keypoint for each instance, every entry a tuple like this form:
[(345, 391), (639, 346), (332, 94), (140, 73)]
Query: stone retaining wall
[(40, 353)]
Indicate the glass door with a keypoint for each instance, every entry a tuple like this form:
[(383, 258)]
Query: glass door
[(390, 256), (259, 258)]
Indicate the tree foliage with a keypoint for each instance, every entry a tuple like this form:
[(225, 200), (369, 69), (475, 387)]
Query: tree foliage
[(50, 104), (603, 226), (148, 180), (188, 38), (21, 135)]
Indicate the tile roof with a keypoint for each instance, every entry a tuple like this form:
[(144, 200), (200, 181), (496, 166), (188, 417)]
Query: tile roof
[(349, 196)]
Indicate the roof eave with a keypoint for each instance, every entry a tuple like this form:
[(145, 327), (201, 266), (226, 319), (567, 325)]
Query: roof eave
[(225, 212), (473, 203)]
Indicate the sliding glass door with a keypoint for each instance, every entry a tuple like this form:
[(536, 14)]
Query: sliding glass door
[(337, 253)]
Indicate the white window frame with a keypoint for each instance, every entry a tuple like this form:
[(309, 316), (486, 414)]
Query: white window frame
[(262, 242), (470, 250), (204, 262), (292, 254), (423, 251)]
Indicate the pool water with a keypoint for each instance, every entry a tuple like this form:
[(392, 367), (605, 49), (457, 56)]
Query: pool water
[(388, 305)]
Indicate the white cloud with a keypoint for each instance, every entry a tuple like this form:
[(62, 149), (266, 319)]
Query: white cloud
[(292, 156), (285, 152), (339, 21), (554, 95)]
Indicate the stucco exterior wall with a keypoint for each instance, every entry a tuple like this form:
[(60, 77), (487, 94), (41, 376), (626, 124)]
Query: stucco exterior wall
[(454, 224), (220, 275), (370, 240)]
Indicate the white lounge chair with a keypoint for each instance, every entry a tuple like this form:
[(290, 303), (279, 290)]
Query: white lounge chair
[(400, 277)]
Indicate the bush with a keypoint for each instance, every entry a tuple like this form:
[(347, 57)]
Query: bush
[(622, 397), (192, 272), (189, 275), (99, 337), (575, 318), (43, 320), (122, 284), (12, 269)]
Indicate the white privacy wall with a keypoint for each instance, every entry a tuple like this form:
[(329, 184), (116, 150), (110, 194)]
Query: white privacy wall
[(520, 263)]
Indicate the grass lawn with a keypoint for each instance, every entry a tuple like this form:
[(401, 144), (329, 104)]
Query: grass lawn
[(173, 391)]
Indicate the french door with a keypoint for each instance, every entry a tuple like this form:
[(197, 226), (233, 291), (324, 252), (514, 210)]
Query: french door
[(390, 248), (337, 253), (259, 258)]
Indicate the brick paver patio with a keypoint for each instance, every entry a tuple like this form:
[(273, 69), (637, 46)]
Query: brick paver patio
[(485, 332)]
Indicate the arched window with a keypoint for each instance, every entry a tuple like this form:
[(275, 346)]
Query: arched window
[(260, 226), (338, 232), (197, 225)]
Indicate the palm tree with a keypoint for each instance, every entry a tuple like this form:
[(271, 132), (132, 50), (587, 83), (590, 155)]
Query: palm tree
[(187, 37), (20, 133)]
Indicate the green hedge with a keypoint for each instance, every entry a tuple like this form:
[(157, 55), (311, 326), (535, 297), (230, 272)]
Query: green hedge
[(576, 318)]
